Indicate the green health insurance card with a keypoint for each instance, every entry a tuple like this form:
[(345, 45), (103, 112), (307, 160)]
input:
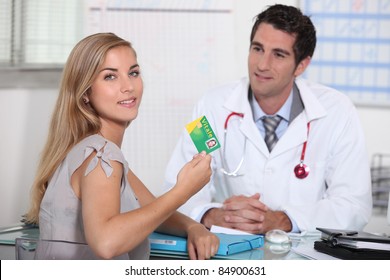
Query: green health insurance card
[(202, 135)]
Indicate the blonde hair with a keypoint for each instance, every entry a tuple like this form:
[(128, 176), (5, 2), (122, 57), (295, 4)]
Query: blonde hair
[(72, 119)]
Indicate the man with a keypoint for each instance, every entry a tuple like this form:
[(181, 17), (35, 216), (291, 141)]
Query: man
[(304, 168)]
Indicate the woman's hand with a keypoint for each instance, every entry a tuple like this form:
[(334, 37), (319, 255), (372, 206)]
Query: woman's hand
[(194, 175), (201, 243)]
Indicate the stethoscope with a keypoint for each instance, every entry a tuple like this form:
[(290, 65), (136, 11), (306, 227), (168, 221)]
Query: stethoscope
[(301, 170), (224, 168)]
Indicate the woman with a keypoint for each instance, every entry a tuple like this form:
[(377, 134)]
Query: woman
[(84, 191)]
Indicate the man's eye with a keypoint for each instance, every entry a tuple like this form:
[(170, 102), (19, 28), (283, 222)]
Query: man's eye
[(280, 55)]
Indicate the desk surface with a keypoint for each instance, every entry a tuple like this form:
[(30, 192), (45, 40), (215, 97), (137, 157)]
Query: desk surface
[(268, 252), (264, 253), (7, 252)]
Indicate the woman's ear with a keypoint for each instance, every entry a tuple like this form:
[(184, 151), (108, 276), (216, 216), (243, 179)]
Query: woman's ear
[(85, 96)]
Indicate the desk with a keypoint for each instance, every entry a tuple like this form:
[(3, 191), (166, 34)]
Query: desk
[(8, 235), (7, 251)]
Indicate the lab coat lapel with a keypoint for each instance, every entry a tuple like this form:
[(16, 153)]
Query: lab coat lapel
[(295, 135), (250, 130), (313, 108), (240, 104), (297, 132)]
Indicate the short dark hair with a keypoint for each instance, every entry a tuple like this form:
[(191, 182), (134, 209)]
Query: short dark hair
[(291, 20)]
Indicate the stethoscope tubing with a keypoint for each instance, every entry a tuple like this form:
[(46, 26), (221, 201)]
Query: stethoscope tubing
[(224, 169), (301, 170)]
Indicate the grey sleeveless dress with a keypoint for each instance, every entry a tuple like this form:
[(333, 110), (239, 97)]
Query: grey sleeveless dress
[(60, 216)]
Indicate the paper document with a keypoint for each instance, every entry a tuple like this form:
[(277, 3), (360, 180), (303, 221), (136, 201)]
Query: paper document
[(307, 250), (218, 229)]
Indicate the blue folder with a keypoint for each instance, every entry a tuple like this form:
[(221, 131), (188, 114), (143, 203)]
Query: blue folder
[(228, 244)]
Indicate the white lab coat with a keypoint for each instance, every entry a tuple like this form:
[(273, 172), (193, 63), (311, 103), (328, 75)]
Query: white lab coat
[(337, 191)]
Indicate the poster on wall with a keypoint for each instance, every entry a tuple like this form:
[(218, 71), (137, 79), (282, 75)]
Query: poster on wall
[(183, 48), (353, 48)]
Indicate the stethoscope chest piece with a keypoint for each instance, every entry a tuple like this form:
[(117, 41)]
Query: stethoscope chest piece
[(301, 171)]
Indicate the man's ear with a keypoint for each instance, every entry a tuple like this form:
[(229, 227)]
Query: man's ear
[(302, 66)]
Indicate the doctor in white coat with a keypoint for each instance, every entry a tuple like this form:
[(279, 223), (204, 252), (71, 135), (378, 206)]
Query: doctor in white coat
[(316, 175)]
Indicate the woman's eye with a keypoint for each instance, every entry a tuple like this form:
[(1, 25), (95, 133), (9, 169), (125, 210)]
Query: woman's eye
[(109, 77), (134, 74)]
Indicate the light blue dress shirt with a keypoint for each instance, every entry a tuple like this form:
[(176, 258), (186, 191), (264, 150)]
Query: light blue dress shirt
[(284, 112)]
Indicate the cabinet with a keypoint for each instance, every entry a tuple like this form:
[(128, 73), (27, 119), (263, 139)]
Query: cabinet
[(380, 177)]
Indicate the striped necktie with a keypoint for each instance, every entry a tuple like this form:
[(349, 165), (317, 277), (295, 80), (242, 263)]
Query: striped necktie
[(270, 125)]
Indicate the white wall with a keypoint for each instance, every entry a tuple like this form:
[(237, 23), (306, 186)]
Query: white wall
[(24, 119), (375, 122), (245, 12), (25, 113)]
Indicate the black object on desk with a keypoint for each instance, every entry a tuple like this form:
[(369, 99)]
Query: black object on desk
[(353, 245)]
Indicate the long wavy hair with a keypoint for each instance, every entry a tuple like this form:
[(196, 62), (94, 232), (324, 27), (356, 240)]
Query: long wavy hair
[(72, 119)]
